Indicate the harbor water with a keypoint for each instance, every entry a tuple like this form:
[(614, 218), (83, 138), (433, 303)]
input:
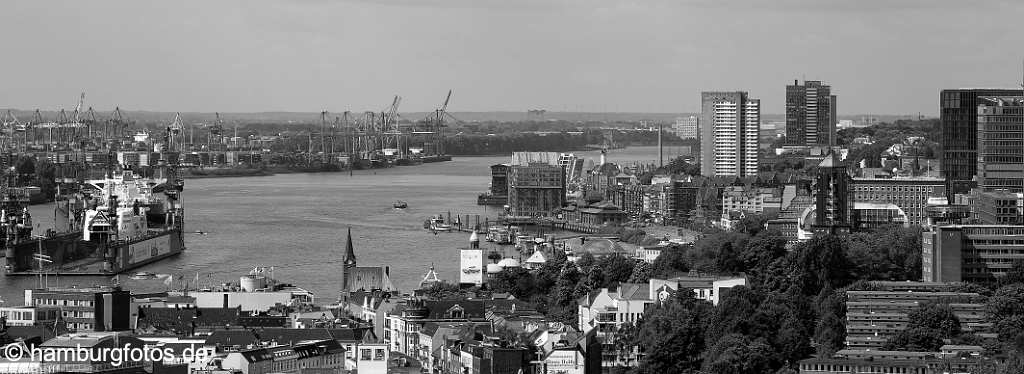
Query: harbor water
[(297, 224)]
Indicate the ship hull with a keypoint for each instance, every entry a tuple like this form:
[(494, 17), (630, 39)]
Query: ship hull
[(74, 256)]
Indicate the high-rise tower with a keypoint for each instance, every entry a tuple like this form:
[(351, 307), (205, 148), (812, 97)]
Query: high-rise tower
[(810, 114), (958, 118), (833, 200), (730, 127)]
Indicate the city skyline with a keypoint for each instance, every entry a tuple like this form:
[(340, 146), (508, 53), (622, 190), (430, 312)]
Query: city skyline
[(607, 56)]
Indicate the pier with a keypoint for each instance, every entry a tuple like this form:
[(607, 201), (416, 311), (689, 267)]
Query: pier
[(468, 223)]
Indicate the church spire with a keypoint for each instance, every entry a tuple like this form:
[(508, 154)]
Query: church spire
[(350, 253)]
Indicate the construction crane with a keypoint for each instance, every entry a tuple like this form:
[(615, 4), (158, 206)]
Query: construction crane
[(175, 129)]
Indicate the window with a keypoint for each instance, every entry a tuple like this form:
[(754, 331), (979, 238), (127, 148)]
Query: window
[(365, 354)]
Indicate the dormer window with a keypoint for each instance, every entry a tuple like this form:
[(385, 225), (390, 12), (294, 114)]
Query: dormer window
[(455, 312)]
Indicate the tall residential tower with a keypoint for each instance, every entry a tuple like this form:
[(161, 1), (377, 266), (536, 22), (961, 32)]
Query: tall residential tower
[(730, 125)]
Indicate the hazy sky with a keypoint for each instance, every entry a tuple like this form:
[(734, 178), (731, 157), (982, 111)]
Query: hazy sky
[(880, 56)]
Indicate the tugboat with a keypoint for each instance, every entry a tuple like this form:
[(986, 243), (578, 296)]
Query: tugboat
[(401, 204)]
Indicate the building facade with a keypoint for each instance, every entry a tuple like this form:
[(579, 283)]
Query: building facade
[(970, 253), (606, 311), (872, 317), (910, 194), (958, 117), (729, 134), (537, 189), (750, 199), (87, 309), (686, 128), (809, 114), (1000, 136), (833, 203), (997, 207)]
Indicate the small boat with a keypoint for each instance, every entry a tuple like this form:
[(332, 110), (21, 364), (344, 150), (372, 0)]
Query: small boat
[(401, 204), (436, 224), (143, 276)]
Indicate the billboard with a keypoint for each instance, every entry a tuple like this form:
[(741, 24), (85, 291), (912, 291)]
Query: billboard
[(471, 267)]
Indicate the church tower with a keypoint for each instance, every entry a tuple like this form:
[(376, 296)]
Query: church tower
[(348, 263)]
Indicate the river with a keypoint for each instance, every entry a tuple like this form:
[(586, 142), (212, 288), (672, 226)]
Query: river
[(297, 224)]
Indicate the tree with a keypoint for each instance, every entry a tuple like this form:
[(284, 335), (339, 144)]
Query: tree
[(717, 252), (821, 263), (25, 166), (752, 224), (735, 313), (516, 281), (793, 341), (736, 353), (935, 316), (728, 259), (615, 268), (892, 253), (830, 334), (672, 334), (585, 261), (1005, 310), (592, 282), (761, 251), (442, 290), (928, 325), (1015, 275), (564, 293), (916, 339), (641, 273), (671, 261)]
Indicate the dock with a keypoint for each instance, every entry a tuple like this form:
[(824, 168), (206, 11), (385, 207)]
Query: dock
[(467, 223)]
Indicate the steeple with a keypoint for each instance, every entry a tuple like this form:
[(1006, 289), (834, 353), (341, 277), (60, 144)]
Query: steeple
[(350, 253)]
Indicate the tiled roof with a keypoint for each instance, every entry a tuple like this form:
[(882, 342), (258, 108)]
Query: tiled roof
[(634, 291), (369, 278), (232, 338), (180, 320), (471, 309)]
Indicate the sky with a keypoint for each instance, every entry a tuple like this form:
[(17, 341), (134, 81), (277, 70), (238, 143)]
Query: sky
[(880, 56)]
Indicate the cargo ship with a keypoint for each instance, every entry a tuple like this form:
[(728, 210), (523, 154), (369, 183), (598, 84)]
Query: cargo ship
[(103, 227)]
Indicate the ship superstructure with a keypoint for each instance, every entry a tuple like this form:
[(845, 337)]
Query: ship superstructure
[(106, 226)]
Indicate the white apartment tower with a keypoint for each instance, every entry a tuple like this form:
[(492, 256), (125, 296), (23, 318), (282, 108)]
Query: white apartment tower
[(730, 126)]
